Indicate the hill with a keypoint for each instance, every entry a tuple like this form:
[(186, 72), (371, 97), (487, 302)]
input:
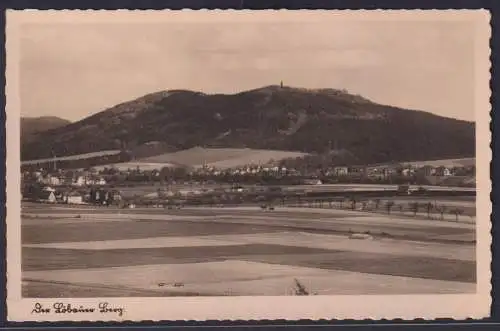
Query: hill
[(271, 118), (30, 126)]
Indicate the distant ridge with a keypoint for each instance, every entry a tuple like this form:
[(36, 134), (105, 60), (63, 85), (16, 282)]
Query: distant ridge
[(33, 125), (267, 118)]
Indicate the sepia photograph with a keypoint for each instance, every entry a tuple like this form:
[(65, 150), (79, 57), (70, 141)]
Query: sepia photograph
[(226, 160)]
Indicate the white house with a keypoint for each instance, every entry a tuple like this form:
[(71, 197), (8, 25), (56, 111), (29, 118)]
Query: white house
[(48, 189), (312, 182), (74, 198), (47, 196), (443, 171), (340, 171), (407, 172), (53, 180), (427, 170), (80, 181)]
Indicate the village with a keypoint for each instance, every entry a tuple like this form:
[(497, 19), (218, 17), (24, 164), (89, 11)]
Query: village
[(105, 186)]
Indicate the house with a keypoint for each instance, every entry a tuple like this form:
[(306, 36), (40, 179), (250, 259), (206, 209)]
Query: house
[(86, 197), (101, 196), (80, 181), (375, 172), (116, 195), (74, 198), (49, 189), (54, 180), (341, 171), (312, 181), (47, 196), (427, 170), (407, 171), (89, 180), (236, 188), (358, 171), (443, 171), (388, 171)]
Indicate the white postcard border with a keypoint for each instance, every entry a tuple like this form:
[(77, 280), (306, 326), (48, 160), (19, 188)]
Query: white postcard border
[(254, 308)]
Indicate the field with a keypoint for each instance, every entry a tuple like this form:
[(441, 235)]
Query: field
[(449, 163), (373, 187), (221, 157), (194, 157), (69, 251), (145, 166)]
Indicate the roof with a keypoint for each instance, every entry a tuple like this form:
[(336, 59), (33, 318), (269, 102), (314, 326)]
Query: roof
[(45, 194)]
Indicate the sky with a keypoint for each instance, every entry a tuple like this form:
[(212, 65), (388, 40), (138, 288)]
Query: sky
[(73, 69)]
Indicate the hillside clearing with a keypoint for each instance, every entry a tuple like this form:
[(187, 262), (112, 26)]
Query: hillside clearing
[(145, 166), (221, 157)]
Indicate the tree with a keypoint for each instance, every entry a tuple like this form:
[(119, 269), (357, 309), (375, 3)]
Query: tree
[(441, 210), (161, 193), (300, 289), (457, 212), (414, 206), (428, 208), (353, 203), (389, 206)]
